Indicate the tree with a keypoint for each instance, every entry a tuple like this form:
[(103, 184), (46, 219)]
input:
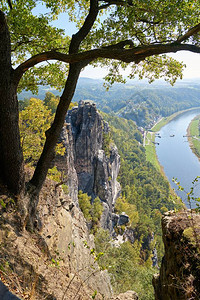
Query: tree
[(85, 205), (34, 121), (116, 33), (51, 101)]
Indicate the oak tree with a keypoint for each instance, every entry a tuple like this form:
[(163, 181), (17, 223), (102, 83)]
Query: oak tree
[(113, 33)]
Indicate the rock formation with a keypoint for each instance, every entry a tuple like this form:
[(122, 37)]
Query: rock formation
[(56, 262), (129, 295), (179, 277), (91, 162)]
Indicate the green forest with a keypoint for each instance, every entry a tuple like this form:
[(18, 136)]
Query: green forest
[(140, 102), (145, 197)]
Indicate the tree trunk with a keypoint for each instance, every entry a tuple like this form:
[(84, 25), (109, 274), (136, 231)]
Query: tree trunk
[(11, 157), (52, 135)]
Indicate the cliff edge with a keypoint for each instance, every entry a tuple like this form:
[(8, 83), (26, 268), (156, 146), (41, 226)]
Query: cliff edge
[(91, 161), (57, 262), (179, 277)]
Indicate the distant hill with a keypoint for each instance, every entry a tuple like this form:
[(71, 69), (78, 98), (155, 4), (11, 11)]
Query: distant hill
[(136, 100)]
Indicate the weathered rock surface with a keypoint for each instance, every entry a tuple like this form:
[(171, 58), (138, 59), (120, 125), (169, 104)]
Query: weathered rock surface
[(87, 166), (65, 163), (123, 219), (56, 263), (129, 295), (179, 277), (67, 235)]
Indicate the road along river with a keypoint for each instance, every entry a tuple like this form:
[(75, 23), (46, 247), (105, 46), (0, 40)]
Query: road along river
[(175, 155)]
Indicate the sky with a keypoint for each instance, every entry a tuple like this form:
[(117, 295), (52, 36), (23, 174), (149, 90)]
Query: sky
[(192, 60)]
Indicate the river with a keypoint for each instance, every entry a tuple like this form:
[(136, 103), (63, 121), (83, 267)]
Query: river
[(175, 155)]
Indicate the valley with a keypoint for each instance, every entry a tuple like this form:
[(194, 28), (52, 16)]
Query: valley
[(112, 174), (88, 209)]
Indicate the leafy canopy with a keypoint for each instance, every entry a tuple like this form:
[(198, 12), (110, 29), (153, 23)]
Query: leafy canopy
[(35, 119), (151, 27), (113, 33)]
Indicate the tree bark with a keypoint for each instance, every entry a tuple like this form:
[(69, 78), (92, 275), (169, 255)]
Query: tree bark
[(11, 157), (52, 135)]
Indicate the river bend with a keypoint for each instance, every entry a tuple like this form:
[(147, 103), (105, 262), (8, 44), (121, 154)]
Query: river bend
[(175, 155)]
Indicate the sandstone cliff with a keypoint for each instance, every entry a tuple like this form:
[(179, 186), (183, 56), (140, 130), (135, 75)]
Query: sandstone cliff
[(56, 262), (91, 161), (179, 277)]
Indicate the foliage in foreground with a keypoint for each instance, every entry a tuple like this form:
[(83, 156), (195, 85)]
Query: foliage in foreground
[(35, 119)]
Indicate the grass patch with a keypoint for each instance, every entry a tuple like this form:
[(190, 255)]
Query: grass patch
[(151, 155), (194, 126), (194, 138)]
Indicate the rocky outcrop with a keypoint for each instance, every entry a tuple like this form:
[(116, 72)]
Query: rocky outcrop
[(129, 295), (91, 162), (66, 163), (66, 234), (179, 274), (57, 262)]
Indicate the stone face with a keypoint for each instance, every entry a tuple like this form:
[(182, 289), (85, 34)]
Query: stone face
[(129, 235), (85, 162), (65, 163), (65, 232), (129, 295), (115, 219), (179, 277), (123, 219), (55, 263)]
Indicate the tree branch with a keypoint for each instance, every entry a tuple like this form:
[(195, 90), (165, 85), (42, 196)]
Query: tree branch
[(10, 4), (117, 51), (120, 45), (113, 2), (189, 33), (53, 133), (85, 29)]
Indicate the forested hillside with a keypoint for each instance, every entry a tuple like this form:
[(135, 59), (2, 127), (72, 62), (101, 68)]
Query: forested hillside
[(142, 185), (145, 197), (145, 192), (137, 100), (147, 105), (40, 226)]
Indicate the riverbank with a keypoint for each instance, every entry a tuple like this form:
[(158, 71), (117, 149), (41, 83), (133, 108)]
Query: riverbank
[(163, 121), (194, 136), (149, 140), (150, 148)]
